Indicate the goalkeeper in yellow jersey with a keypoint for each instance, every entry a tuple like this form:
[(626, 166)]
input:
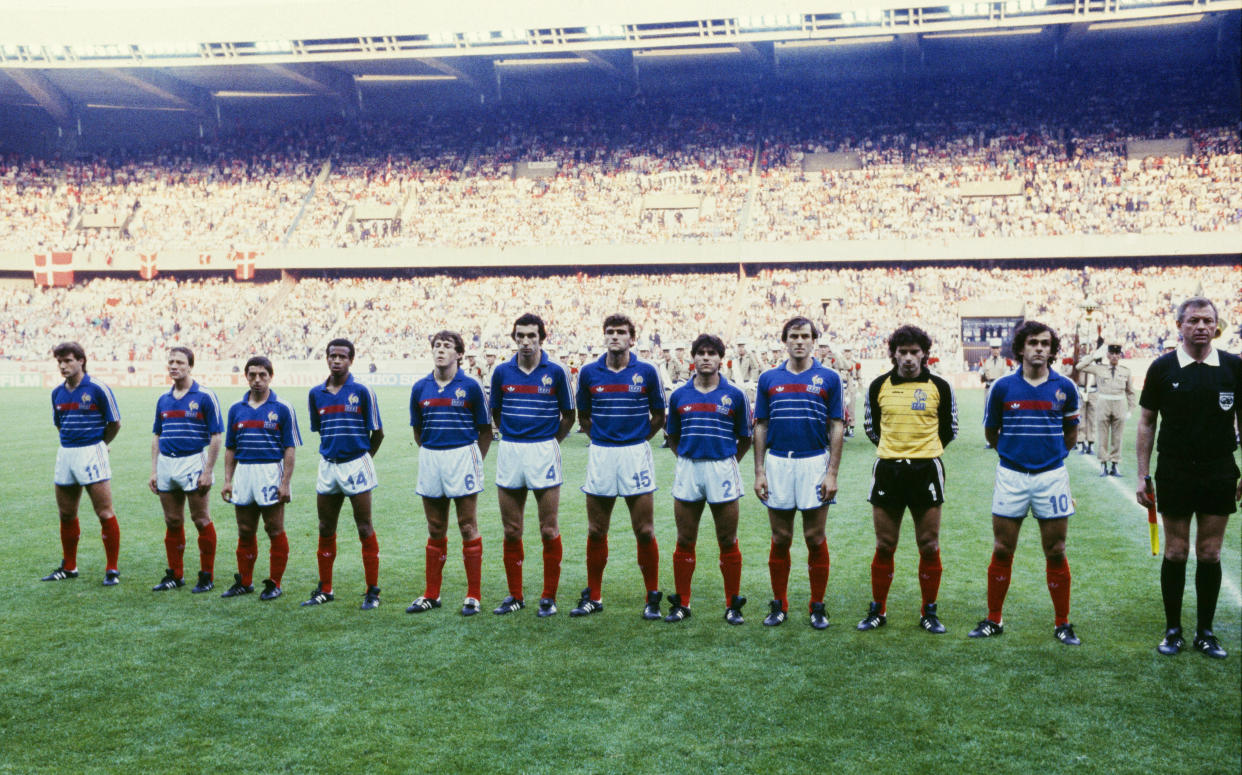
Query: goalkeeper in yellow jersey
[(910, 415)]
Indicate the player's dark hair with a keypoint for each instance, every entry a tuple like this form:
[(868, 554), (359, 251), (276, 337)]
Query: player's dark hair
[(617, 320), (1195, 302), (529, 319), (1033, 328), (799, 322), (339, 343), (707, 342), (186, 351), (908, 335), (453, 338), (262, 363), (70, 348)]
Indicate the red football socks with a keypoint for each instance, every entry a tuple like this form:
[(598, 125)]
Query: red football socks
[(551, 566), (929, 578), (1058, 575), (207, 547), (817, 568), (111, 531), (370, 560), (881, 577), (279, 556), (247, 553), (174, 548), (437, 553), (649, 563), (596, 559), (325, 556), (778, 569), (683, 570), (514, 555), (999, 575), (69, 533), (731, 570), (472, 557)]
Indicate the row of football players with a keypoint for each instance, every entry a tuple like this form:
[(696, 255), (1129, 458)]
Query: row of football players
[(796, 432)]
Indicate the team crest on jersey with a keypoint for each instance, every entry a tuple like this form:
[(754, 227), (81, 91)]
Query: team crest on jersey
[(460, 393), (726, 401), (1060, 396), (353, 399), (193, 406), (547, 380), (86, 399), (1226, 401), (920, 400), (272, 417), (638, 379), (817, 381)]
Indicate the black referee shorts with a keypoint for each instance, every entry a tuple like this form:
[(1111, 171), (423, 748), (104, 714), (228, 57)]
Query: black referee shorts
[(900, 484), (1184, 488)]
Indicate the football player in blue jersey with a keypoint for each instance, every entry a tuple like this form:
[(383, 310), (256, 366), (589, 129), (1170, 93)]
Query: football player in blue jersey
[(188, 430), (1031, 419), (798, 437), (621, 406), (709, 426)]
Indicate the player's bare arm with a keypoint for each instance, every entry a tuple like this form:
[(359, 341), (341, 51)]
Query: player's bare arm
[(836, 433), (155, 458), (213, 453), (657, 423), (284, 491), (761, 447), (485, 439), (567, 424), (230, 466), (110, 431), (377, 438)]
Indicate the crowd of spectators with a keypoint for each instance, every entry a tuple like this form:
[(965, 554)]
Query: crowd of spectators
[(391, 319), (702, 166)]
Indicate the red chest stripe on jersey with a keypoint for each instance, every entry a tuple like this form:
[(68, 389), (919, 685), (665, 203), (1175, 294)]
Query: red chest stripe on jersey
[(67, 407), (336, 409), (257, 424), (177, 414), (712, 408), (527, 389), (445, 402), (797, 387), (619, 389), (1017, 406)]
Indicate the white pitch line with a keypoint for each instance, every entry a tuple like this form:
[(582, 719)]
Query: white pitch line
[(1229, 583)]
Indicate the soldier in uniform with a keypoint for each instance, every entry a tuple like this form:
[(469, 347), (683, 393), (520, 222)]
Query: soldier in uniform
[(1114, 400), (1088, 388), (746, 370), (994, 366)]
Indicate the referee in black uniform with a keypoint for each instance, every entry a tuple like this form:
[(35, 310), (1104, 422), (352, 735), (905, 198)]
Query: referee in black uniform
[(1194, 390)]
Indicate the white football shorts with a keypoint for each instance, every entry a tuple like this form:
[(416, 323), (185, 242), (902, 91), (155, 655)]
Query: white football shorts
[(619, 471), (450, 473), (534, 465), (179, 473), (1046, 494), (793, 482), (82, 465), (352, 478), (714, 481), (257, 484)]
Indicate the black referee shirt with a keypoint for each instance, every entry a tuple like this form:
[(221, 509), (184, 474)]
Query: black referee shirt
[(1197, 403)]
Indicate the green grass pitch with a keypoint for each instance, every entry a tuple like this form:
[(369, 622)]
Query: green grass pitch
[(122, 680)]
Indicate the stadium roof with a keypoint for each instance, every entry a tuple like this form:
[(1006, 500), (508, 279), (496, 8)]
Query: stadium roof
[(65, 56)]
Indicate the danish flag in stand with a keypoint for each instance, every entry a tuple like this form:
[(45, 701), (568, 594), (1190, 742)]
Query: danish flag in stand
[(245, 264), (55, 269), (146, 266)]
